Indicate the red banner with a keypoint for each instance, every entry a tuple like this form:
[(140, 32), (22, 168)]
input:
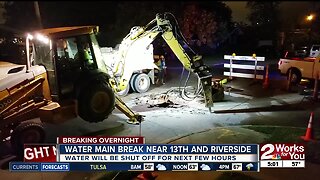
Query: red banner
[(40, 153)]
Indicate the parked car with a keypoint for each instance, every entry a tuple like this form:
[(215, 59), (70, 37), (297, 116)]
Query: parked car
[(314, 51)]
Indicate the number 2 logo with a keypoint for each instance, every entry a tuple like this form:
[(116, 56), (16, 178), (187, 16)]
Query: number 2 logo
[(267, 154)]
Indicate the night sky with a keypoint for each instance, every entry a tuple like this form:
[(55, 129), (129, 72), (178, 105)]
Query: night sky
[(115, 18), (2, 19), (289, 10)]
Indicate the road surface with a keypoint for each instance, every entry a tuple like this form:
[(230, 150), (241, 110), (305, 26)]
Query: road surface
[(247, 103)]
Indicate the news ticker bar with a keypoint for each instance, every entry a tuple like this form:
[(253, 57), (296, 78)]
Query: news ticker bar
[(282, 163), (278, 155), (66, 167), (158, 148), (157, 158), (157, 153)]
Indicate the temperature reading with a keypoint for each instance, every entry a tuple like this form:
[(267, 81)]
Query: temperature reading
[(295, 163), (237, 166), (192, 166), (148, 166)]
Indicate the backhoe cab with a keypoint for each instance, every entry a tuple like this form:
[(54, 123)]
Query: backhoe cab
[(76, 75)]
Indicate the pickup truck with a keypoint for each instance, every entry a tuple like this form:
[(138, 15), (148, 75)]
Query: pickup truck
[(300, 68)]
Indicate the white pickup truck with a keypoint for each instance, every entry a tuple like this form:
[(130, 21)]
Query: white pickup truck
[(300, 68)]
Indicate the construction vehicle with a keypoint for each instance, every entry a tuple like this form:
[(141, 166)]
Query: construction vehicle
[(57, 83), (130, 64), (142, 69), (66, 76)]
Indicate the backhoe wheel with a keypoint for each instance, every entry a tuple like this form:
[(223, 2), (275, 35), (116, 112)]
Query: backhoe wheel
[(27, 132), (125, 91), (141, 83), (131, 82), (96, 102), (218, 94)]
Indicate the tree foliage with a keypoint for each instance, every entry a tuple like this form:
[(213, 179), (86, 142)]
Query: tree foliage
[(263, 13), (72, 13), (198, 25), (20, 15), (316, 24), (203, 22), (265, 17), (139, 13)]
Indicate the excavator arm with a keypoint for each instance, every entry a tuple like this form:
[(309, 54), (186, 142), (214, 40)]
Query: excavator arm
[(194, 64), (166, 26), (191, 61)]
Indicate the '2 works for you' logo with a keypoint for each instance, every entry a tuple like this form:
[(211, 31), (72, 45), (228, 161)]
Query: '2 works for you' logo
[(284, 151)]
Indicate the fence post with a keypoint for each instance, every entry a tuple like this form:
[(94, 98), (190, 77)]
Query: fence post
[(232, 56), (255, 66), (255, 69)]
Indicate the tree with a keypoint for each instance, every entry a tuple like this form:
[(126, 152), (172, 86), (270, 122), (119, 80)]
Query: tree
[(2, 12), (315, 27), (202, 23), (225, 27), (198, 25), (264, 17), (71, 13), (205, 23), (138, 13), (115, 19), (263, 13), (20, 15)]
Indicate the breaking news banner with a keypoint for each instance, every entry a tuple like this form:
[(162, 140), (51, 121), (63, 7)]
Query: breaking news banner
[(100, 140), (167, 157), (156, 152), (282, 155), (47, 152), (131, 154)]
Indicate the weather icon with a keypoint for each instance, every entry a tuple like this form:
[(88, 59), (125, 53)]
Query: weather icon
[(161, 167), (249, 166), (205, 167)]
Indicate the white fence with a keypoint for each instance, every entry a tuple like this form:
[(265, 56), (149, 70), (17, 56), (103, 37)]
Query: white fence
[(233, 65)]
